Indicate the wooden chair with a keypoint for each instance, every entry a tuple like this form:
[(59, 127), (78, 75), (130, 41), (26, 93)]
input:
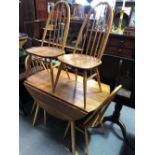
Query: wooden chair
[(94, 119), (53, 43), (92, 38), (54, 36), (32, 66)]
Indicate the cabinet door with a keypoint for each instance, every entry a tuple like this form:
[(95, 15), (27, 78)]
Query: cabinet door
[(26, 16), (26, 10), (41, 9), (116, 70)]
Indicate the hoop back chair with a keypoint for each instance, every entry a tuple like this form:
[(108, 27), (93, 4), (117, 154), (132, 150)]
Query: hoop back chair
[(33, 66), (52, 45), (92, 39), (54, 36), (58, 25), (95, 118)]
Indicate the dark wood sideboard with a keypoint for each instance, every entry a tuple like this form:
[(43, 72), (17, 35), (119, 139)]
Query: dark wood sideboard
[(121, 46), (118, 66)]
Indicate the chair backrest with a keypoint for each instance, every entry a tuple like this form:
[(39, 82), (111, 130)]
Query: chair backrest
[(95, 30), (35, 64), (97, 116), (57, 25)]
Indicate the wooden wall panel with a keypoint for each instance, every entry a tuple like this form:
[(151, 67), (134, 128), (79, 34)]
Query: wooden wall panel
[(27, 10), (26, 16), (41, 9)]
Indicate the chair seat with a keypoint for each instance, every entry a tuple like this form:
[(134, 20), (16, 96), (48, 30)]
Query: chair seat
[(46, 52), (80, 60)]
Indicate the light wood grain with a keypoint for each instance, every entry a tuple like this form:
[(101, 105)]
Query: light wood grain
[(71, 48), (85, 88), (86, 141), (56, 31), (80, 61), (70, 98), (45, 52), (35, 115), (33, 107), (57, 18), (96, 30), (54, 24), (94, 119), (97, 116), (93, 36), (73, 136)]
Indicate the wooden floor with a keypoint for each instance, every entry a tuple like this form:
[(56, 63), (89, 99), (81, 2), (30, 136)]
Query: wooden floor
[(69, 90)]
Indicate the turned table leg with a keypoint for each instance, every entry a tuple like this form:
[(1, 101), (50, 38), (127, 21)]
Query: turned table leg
[(115, 118)]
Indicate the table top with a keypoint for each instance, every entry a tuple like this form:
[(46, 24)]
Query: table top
[(67, 102), (69, 90)]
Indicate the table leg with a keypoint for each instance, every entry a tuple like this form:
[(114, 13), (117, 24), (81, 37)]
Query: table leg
[(52, 76), (35, 115), (115, 118), (85, 88), (44, 118), (33, 107), (73, 136), (66, 130), (57, 76), (86, 141)]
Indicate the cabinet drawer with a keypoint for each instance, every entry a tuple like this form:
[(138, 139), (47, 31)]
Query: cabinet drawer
[(126, 43), (122, 52), (129, 44)]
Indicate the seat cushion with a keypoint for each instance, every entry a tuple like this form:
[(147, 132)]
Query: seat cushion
[(80, 60), (46, 52)]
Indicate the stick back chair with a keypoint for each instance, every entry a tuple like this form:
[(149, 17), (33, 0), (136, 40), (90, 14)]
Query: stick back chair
[(54, 36), (52, 45), (33, 66), (92, 39), (94, 119)]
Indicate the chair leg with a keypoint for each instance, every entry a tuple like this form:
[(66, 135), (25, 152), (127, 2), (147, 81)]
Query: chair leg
[(73, 136), (98, 79), (76, 73), (57, 77), (52, 76), (42, 64), (66, 69), (33, 107), (35, 115), (44, 118), (67, 128), (47, 64), (86, 141), (85, 87)]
